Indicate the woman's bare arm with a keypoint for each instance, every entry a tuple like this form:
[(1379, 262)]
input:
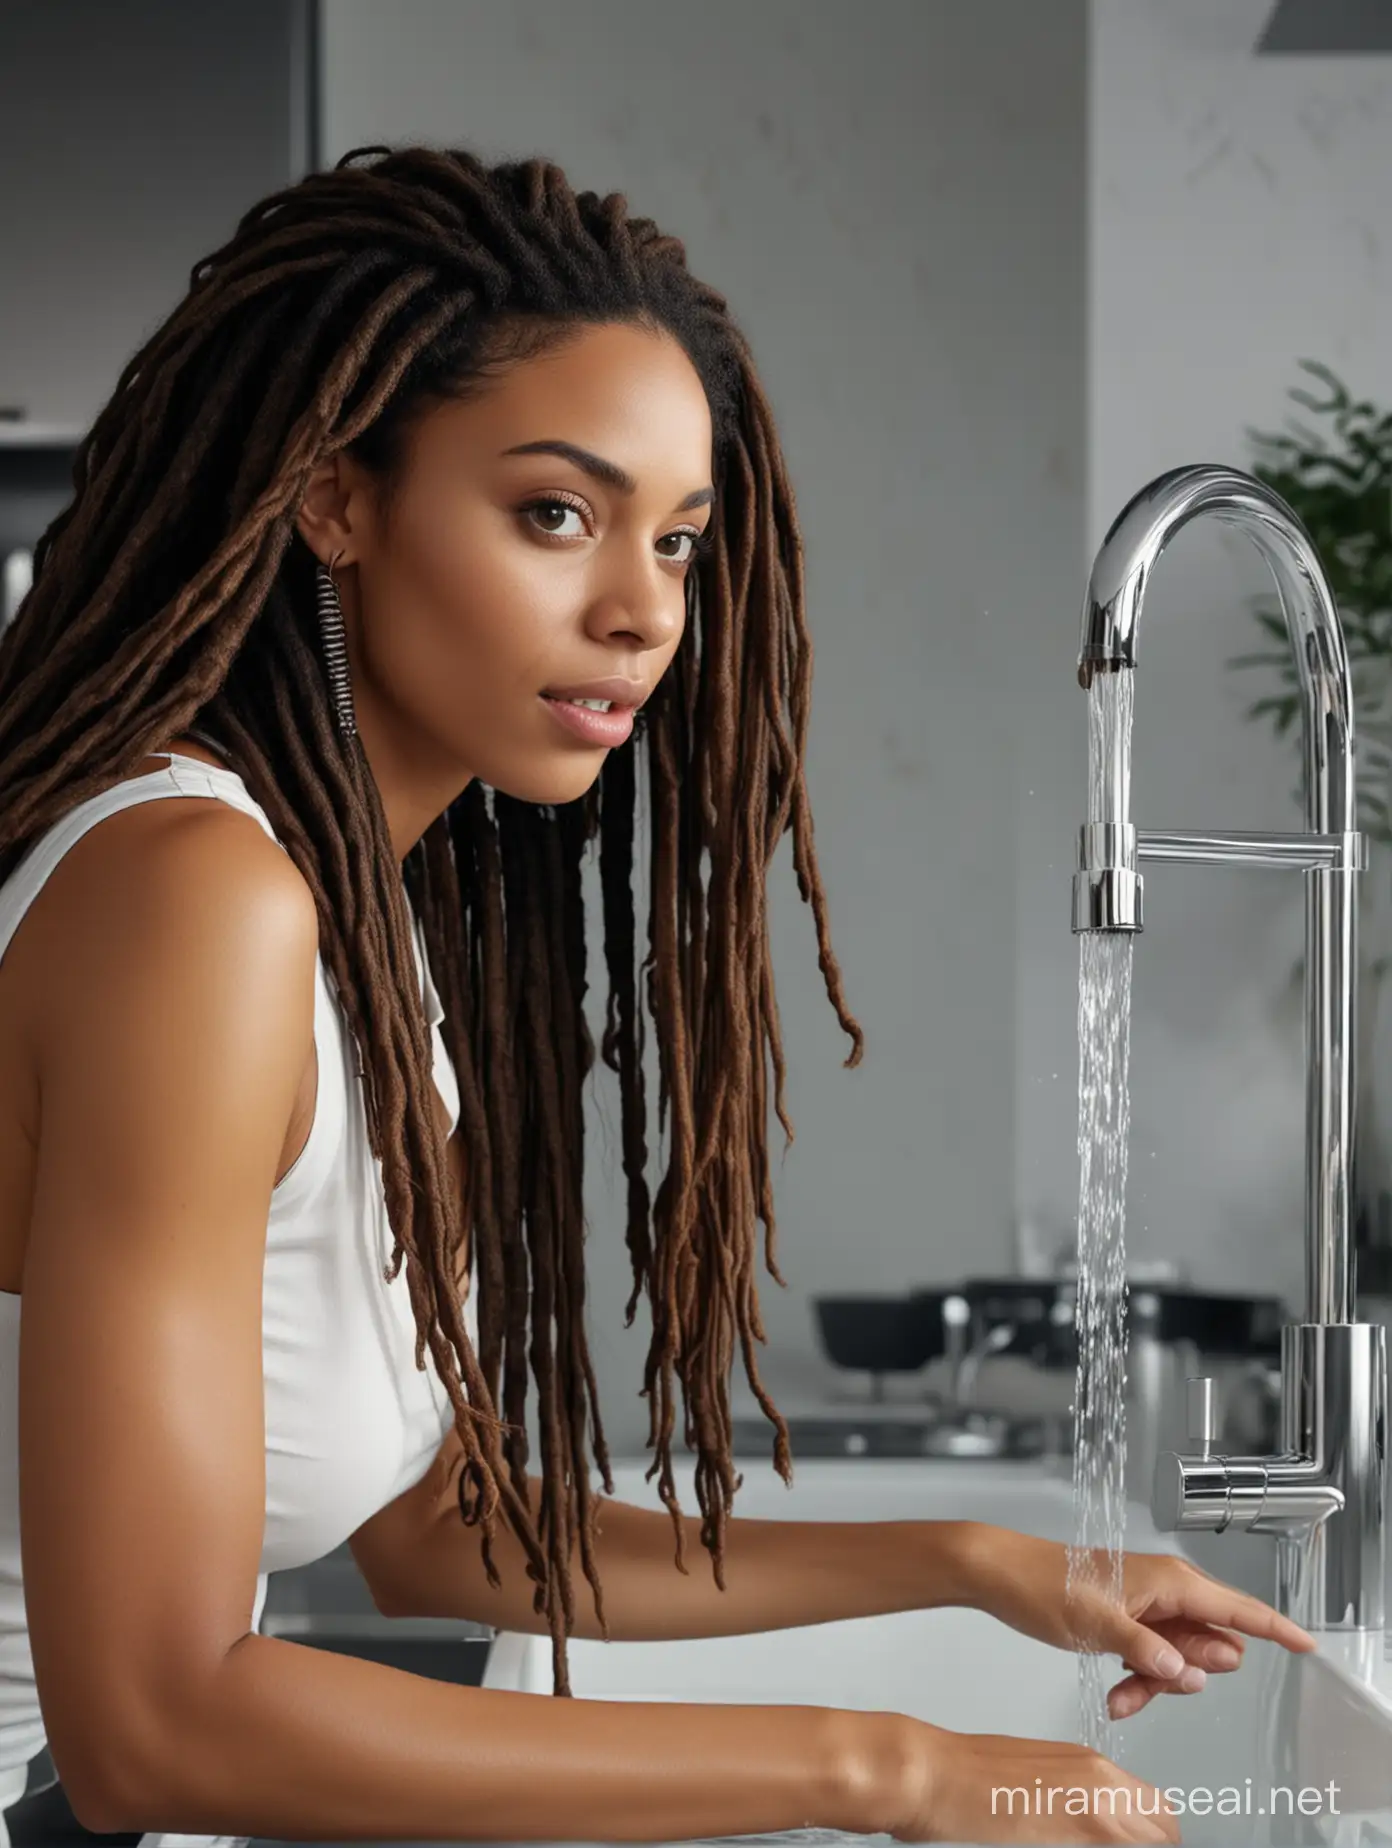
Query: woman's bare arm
[(419, 1560), (169, 1045), (304, 1742)]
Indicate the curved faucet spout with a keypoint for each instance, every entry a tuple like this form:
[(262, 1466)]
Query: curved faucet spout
[(1121, 576), (1107, 888)]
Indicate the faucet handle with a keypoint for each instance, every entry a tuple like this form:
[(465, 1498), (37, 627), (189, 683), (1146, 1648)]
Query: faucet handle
[(1195, 1491), (1201, 1405)]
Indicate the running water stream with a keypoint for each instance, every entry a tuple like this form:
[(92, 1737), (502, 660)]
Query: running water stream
[(1104, 1121)]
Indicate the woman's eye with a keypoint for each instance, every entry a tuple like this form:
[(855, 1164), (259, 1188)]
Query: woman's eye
[(699, 542), (556, 506)]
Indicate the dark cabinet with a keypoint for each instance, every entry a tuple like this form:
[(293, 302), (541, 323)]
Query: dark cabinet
[(132, 138)]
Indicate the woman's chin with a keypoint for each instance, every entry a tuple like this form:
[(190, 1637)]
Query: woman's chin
[(552, 784)]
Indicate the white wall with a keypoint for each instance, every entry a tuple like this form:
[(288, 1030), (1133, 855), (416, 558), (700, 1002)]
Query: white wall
[(1239, 220), (895, 211)]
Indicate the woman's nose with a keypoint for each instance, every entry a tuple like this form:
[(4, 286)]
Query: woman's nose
[(647, 619)]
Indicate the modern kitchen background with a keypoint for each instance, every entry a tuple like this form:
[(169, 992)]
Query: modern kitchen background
[(1000, 264), (1027, 256)]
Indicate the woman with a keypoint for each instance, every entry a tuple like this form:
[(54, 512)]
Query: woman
[(443, 517)]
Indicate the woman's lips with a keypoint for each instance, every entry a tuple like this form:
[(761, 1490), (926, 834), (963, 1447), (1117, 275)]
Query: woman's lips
[(605, 728)]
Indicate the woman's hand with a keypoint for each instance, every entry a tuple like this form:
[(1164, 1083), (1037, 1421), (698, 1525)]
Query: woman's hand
[(1173, 1625), (923, 1783)]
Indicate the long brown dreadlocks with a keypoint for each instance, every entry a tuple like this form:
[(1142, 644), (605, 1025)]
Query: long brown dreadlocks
[(173, 591)]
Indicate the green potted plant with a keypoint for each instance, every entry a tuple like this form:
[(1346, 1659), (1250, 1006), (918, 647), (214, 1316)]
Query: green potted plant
[(1336, 474)]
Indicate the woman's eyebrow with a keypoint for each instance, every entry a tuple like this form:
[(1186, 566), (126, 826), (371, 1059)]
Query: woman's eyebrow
[(608, 472)]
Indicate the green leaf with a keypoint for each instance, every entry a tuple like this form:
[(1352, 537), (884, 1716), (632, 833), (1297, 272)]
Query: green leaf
[(1284, 710), (1333, 468)]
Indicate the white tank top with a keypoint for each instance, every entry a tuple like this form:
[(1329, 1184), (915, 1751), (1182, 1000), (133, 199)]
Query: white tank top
[(350, 1422)]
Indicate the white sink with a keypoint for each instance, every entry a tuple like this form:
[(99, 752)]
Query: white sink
[(1279, 1721)]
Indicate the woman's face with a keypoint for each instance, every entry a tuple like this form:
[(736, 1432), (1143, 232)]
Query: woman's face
[(500, 586)]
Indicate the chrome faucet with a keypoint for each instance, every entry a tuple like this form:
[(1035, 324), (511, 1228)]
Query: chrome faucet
[(1324, 1495)]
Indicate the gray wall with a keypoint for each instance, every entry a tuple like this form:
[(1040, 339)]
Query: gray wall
[(896, 213)]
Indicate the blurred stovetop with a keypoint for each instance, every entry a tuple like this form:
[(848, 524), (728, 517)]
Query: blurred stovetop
[(900, 1430)]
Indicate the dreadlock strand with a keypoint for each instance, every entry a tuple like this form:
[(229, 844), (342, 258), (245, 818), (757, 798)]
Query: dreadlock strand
[(503, 1104), (567, 839), (620, 1048), (542, 1179), (285, 490), (674, 1207)]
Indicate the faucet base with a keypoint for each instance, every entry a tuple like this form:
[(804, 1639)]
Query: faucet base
[(1334, 1406), (1324, 1497)]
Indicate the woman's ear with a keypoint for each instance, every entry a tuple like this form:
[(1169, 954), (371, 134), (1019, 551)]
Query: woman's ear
[(332, 510)]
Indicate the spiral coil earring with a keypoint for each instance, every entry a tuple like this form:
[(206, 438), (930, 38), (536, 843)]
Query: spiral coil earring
[(330, 609)]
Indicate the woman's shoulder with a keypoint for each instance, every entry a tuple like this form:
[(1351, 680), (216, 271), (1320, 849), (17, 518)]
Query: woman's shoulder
[(174, 895)]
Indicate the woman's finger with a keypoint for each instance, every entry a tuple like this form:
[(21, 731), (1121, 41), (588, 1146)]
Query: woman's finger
[(1202, 1645), (1133, 1692), (1129, 1695), (1149, 1652), (1213, 1602)]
